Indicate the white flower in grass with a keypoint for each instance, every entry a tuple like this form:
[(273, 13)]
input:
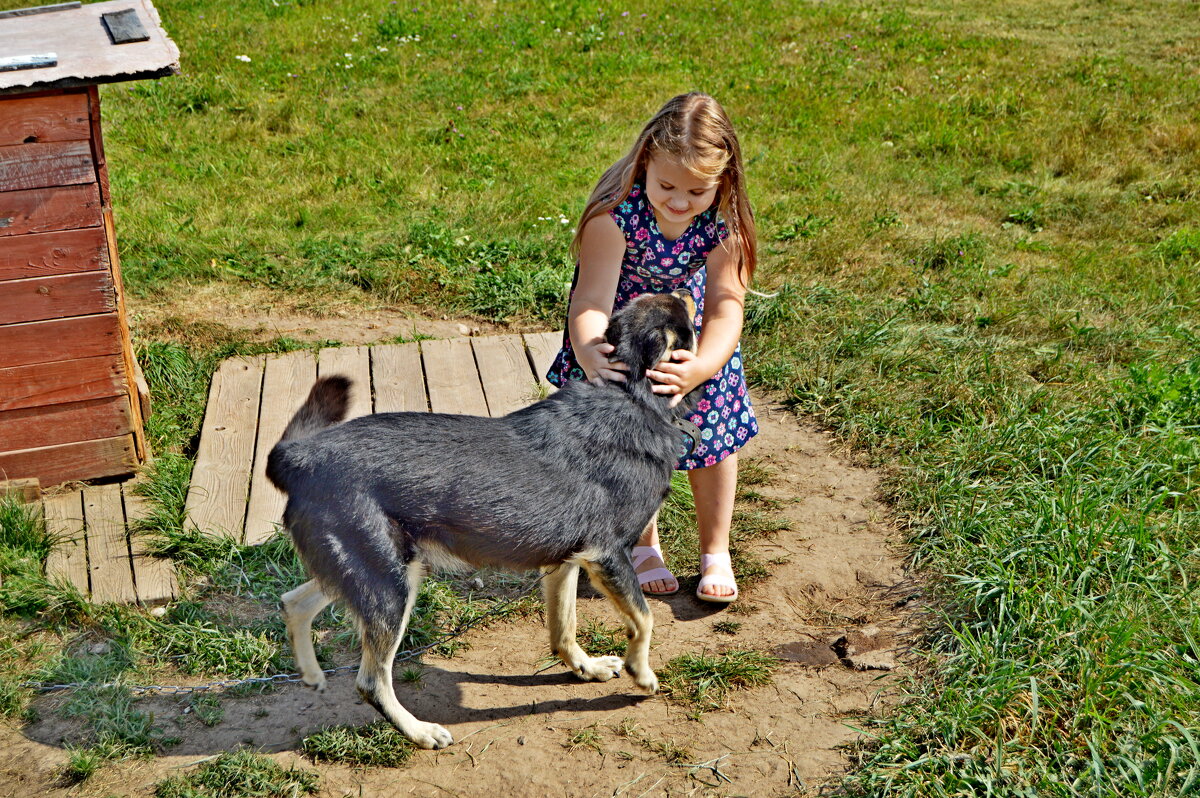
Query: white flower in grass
[(244, 58)]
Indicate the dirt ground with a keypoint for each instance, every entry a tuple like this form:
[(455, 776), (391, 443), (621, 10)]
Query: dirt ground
[(837, 597)]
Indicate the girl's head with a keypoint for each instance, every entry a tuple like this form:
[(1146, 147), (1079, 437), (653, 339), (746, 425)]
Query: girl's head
[(689, 136)]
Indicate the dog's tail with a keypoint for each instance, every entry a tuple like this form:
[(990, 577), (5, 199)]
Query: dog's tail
[(326, 405)]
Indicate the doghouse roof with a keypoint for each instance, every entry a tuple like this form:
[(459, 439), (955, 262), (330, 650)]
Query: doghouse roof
[(65, 45)]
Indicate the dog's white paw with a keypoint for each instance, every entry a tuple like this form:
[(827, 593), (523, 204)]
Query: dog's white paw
[(317, 684), (648, 681), (429, 735), (599, 669)]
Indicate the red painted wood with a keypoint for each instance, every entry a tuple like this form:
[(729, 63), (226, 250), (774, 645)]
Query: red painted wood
[(28, 120), (65, 381), (51, 465), (41, 210), (57, 297), (61, 339), (55, 163), (32, 427), (61, 252)]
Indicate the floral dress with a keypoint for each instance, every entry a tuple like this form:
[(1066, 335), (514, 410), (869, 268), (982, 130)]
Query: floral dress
[(656, 264)]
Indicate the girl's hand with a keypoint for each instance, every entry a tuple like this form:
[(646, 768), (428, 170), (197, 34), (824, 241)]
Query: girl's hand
[(680, 375), (596, 365)]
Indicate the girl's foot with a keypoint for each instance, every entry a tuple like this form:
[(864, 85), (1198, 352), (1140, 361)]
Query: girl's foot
[(716, 579), (653, 575)]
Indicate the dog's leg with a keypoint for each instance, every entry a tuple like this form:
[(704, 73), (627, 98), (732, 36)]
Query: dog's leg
[(380, 639), (615, 578), (300, 606), (559, 586)]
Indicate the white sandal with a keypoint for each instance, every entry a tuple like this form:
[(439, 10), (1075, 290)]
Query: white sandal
[(706, 562), (642, 553)]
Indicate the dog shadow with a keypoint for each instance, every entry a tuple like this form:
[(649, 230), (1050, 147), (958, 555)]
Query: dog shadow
[(280, 719)]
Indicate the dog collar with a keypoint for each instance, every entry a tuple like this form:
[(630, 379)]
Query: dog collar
[(689, 429)]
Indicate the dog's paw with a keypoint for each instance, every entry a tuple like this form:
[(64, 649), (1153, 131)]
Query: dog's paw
[(429, 735), (643, 676), (599, 669), (317, 684)]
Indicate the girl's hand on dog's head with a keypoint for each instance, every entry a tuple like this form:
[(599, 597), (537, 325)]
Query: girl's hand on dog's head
[(680, 375), (599, 366)]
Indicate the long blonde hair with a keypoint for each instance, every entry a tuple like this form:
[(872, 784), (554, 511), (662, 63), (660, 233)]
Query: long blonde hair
[(694, 129)]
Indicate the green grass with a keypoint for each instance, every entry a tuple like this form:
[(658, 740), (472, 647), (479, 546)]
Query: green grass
[(980, 225), (241, 774), (703, 682), (378, 744)]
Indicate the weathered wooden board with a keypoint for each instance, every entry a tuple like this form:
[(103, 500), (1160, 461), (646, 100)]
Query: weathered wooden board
[(61, 381), (154, 578), (55, 163), (398, 378), (28, 120), (124, 27), (353, 362), (216, 500), (46, 254), (286, 383), (508, 381), (64, 522), (42, 210), (32, 427), (83, 47), (452, 379), (543, 348), (52, 465), (48, 9), (60, 339), (27, 491), (57, 297), (108, 545)]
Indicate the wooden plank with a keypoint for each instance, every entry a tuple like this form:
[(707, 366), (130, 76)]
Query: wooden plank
[(84, 54), (60, 339), (25, 12), (398, 378), (63, 381), (53, 465), (26, 491), (59, 297), (60, 252), (353, 362), (31, 427), (40, 165), (216, 499), (124, 27), (504, 370), (286, 383), (64, 522), (543, 348), (154, 578), (109, 565), (12, 63), (42, 210), (132, 370), (453, 381)]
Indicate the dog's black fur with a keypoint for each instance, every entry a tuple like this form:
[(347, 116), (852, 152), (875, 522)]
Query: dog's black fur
[(570, 481)]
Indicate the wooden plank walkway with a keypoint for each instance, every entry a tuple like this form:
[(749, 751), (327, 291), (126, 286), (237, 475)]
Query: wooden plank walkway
[(98, 553), (252, 399), (249, 403)]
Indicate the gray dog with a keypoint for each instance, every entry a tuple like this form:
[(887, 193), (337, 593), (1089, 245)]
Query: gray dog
[(570, 481)]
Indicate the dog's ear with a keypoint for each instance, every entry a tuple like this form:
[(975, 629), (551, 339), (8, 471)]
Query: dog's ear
[(639, 345)]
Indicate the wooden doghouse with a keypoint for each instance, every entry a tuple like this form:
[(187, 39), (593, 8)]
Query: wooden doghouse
[(70, 403)]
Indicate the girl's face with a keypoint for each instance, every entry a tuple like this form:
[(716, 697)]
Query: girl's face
[(676, 195)]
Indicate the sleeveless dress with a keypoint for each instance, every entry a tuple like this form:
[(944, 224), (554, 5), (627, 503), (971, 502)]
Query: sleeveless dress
[(655, 264)]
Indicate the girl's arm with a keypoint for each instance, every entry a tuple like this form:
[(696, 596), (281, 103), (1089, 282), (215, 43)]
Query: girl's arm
[(601, 249), (724, 301)]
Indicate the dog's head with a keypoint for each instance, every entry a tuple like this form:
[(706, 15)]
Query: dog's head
[(649, 328)]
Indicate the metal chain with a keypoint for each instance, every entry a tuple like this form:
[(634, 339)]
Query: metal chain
[(282, 678)]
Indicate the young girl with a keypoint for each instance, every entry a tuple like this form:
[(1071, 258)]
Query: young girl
[(673, 213)]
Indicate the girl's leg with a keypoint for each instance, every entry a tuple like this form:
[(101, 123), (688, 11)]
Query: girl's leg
[(650, 538), (714, 488)]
